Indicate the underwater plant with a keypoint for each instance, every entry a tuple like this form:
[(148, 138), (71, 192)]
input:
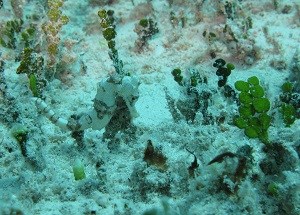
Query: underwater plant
[(192, 79), (223, 71), (229, 9), (145, 29), (178, 20), (78, 170), (20, 133), (32, 65), (9, 32), (289, 104), (28, 36), (56, 20), (253, 109), (109, 33), (177, 76), (273, 189), (193, 100)]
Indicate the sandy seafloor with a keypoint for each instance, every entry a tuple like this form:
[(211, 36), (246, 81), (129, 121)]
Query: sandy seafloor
[(118, 180)]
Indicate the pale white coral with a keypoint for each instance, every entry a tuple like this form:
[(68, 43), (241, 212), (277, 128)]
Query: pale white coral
[(105, 104)]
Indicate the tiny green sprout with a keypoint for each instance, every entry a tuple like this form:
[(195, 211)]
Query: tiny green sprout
[(30, 31), (111, 44), (257, 91), (33, 85), (78, 170), (177, 76), (26, 58), (104, 24), (144, 23), (20, 133), (230, 66), (64, 19), (178, 79), (109, 34), (287, 87), (273, 189), (28, 35), (253, 80), (288, 113), (245, 98), (24, 35), (211, 34), (194, 81), (253, 121), (110, 13), (176, 72), (261, 104), (219, 63), (222, 82), (265, 120), (102, 14), (16, 24), (245, 111), (225, 72), (251, 132), (240, 122), (3, 43), (222, 71), (242, 86), (249, 22)]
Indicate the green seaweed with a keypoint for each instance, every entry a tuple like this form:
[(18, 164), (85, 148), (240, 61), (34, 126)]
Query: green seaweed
[(253, 117)]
